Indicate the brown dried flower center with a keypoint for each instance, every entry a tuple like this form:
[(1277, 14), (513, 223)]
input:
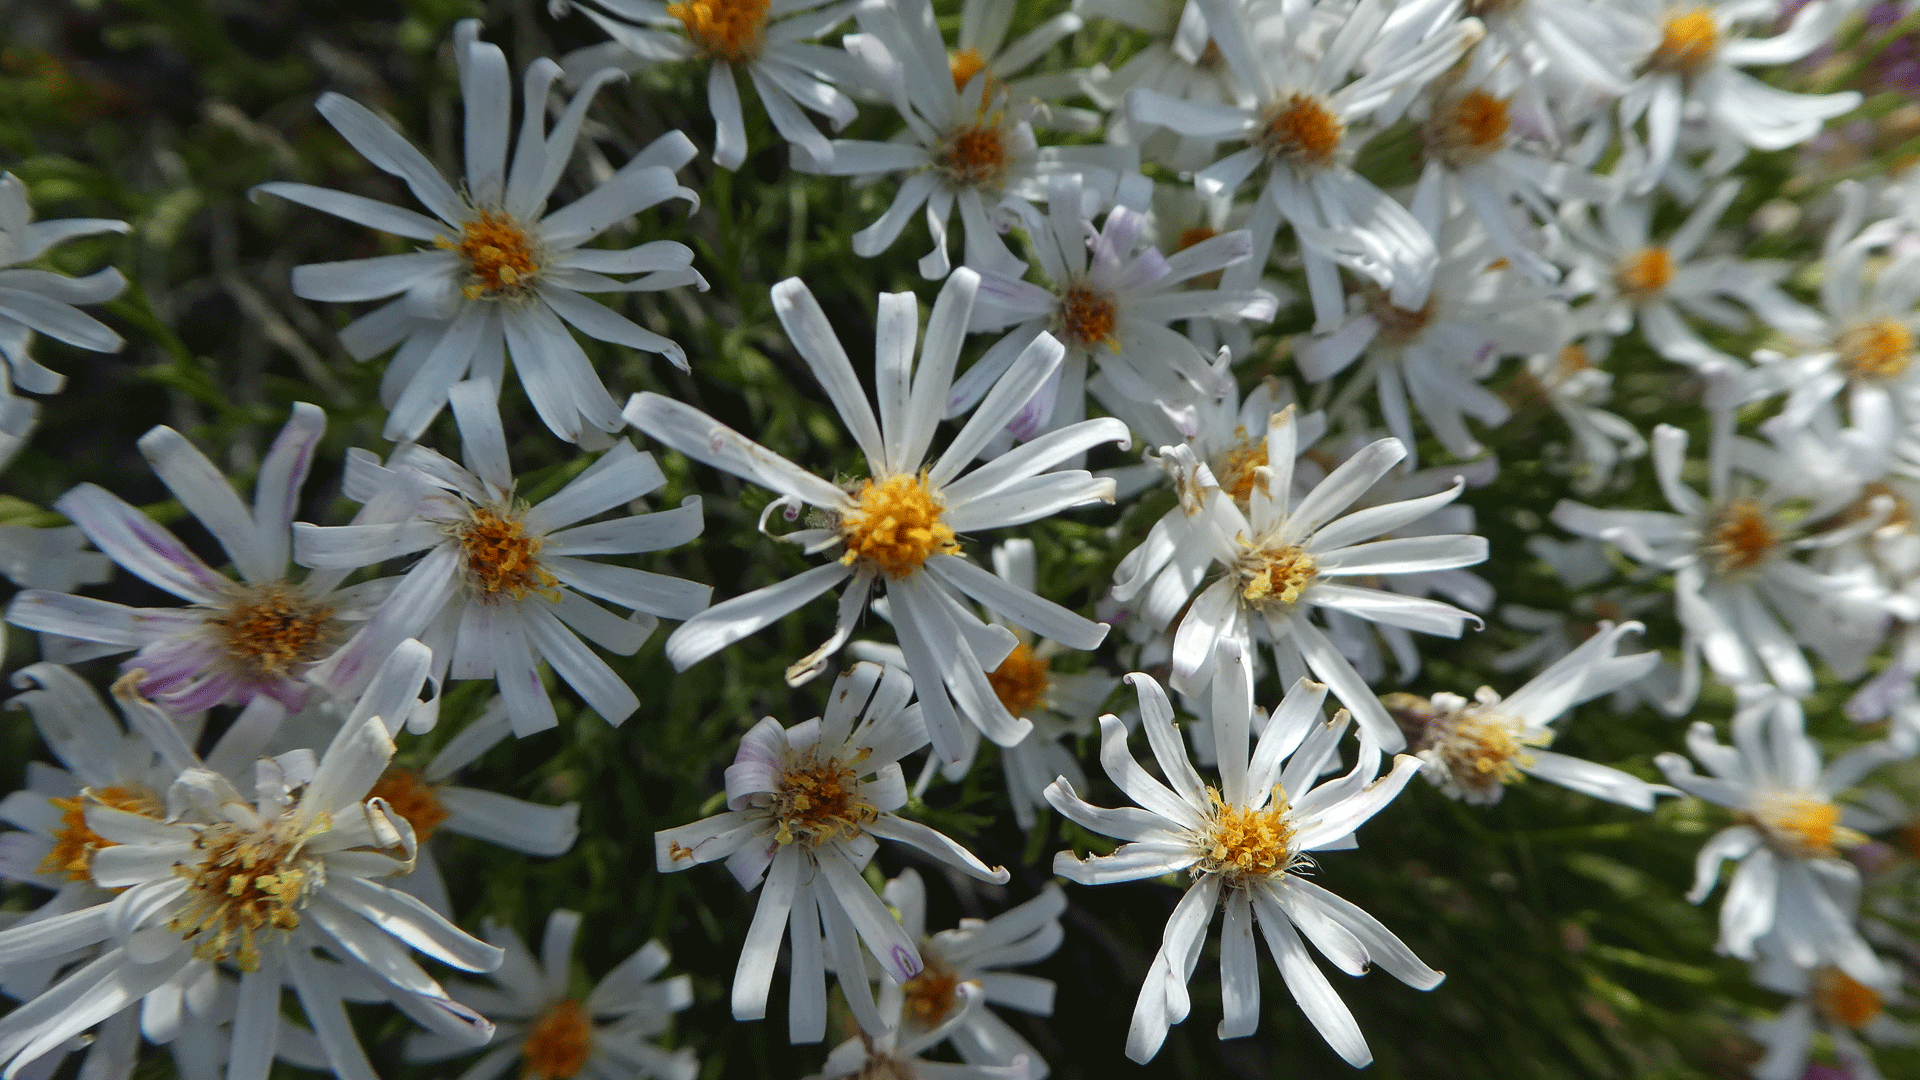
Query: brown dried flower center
[(499, 254), (1021, 680), (1304, 130), (820, 801), (248, 882), (1087, 317), (501, 557), (728, 29), (558, 1044), (896, 524), (74, 842), (408, 794), (271, 629), (1879, 350)]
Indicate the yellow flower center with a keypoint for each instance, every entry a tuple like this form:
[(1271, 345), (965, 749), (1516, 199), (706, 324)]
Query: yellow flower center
[(1842, 1000), (1879, 350), (1687, 42), (1644, 273), (932, 994), (728, 29), (409, 795), (1234, 469), (1469, 127), (248, 881), (499, 255), (1803, 825), (1741, 537), (501, 557), (1020, 682), (1274, 577), (974, 156), (964, 65), (1481, 748), (1244, 845), (1197, 234), (74, 843), (1303, 130), (896, 524), (272, 628), (1573, 360), (1087, 317), (820, 801), (558, 1043)]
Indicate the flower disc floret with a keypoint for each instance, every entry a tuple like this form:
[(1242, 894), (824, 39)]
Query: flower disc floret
[(1688, 41), (1245, 845), (1234, 469), (501, 257), (501, 557), (1802, 824), (1644, 273), (248, 882), (1303, 130), (1021, 680), (1879, 350), (270, 629), (731, 30), (1844, 1000), (558, 1043), (896, 524), (975, 156), (74, 843), (818, 801), (1469, 127), (1275, 577), (1087, 317), (930, 997), (408, 794), (1741, 537)]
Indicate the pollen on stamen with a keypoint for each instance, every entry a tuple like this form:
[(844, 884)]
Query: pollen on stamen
[(1243, 845), (976, 156), (896, 524), (499, 254), (1644, 273), (558, 1043), (501, 557), (1021, 680), (1741, 537), (816, 801), (270, 629), (408, 794), (1275, 577), (1234, 469), (74, 842), (248, 883), (1882, 349), (731, 30), (1087, 317), (1688, 42), (1303, 130)]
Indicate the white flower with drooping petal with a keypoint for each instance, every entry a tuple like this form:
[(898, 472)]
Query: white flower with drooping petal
[(1474, 749), (1245, 843), (1571, 55), (257, 883), (1304, 128), (771, 42), (504, 277), (972, 956), (982, 45), (967, 146), (1181, 62), (607, 1035), (236, 641), (1281, 557), (40, 300), (1108, 301), (897, 1053), (500, 586), (1792, 880), (901, 524), (1575, 385), (1831, 1002), (806, 809)]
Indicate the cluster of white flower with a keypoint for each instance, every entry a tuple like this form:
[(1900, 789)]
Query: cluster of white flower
[(1572, 170)]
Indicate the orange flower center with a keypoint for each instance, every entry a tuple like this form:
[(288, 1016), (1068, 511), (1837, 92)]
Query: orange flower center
[(1275, 577), (502, 558), (1303, 130), (558, 1044), (1245, 845), (272, 628), (819, 801), (1087, 317), (1470, 126), (931, 995), (1842, 1000), (896, 524), (1803, 825), (975, 156), (1741, 538), (1644, 273), (1878, 350), (409, 794), (964, 65), (74, 843), (727, 29), (1687, 42), (1020, 682), (499, 255), (248, 881)]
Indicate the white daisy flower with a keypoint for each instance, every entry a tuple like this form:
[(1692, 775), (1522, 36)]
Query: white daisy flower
[(1106, 299), (1791, 879), (902, 524), (1572, 382), (40, 300), (1690, 73), (1570, 54), (1180, 61), (973, 955), (503, 277), (1474, 749), (1248, 839), (1279, 559), (1827, 1001), (1301, 129), (968, 146), (898, 1054), (1730, 554), (556, 1035), (259, 636), (500, 586), (771, 42), (258, 885), (806, 809)]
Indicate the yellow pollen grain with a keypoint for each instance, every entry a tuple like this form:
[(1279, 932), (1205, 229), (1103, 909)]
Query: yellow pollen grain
[(74, 843), (896, 525), (1741, 537), (1879, 350), (501, 557), (248, 883), (1234, 469), (1021, 680), (1687, 42), (409, 795), (974, 156), (1087, 317), (1304, 130), (558, 1044), (1842, 1000), (1644, 273), (498, 253), (1275, 577), (271, 629), (964, 65), (818, 801), (931, 995), (731, 30), (1244, 845)]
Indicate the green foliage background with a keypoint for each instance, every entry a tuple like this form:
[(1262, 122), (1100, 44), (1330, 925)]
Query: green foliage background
[(1560, 921)]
